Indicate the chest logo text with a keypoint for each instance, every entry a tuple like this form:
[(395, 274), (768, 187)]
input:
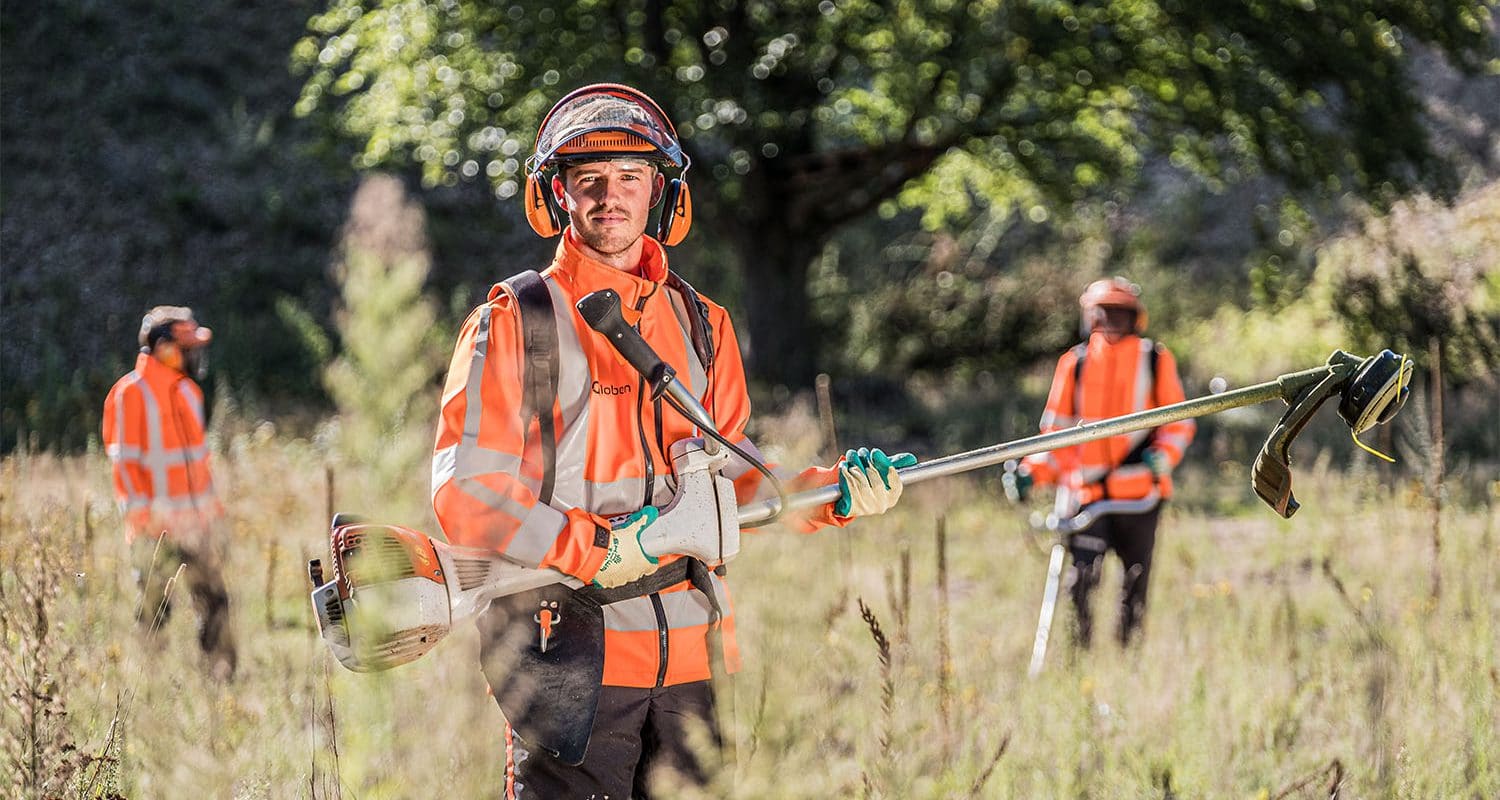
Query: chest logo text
[(601, 388)]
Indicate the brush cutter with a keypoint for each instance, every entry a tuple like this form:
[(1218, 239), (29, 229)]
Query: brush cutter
[(1067, 529), (396, 592)]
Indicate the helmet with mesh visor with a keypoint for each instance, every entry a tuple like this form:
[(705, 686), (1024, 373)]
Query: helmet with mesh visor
[(603, 122)]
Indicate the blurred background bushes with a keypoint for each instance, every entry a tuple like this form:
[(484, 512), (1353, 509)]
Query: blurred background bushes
[(944, 222)]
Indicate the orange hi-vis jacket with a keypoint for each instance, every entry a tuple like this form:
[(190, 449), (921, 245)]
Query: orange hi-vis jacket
[(612, 445), (153, 433), (1132, 374)]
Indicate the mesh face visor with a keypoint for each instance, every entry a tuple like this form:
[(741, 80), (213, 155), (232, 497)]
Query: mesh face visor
[(602, 126)]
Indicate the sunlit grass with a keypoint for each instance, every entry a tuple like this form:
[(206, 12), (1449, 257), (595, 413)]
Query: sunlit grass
[(1278, 654)]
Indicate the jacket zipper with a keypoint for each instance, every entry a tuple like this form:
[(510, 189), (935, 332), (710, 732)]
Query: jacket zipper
[(640, 406), (660, 610)]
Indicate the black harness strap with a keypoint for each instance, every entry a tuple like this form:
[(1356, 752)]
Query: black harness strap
[(539, 334), (701, 332)]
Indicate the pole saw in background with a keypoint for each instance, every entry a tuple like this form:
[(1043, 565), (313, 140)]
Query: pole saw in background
[(396, 592)]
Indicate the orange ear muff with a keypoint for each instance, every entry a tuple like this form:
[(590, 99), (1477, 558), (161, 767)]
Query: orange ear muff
[(676, 213), (541, 209)]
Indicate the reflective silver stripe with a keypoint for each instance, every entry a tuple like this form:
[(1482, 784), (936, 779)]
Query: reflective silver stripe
[(478, 461), (175, 456), (117, 452), (1143, 376), (158, 470), (697, 379), (444, 467), (683, 609), (127, 479), (1174, 440), (491, 498), (612, 497), (133, 502), (1091, 474), (737, 466), (573, 380), (1051, 420), (469, 458), (195, 404), (1132, 470), (1076, 372), (473, 398), (538, 533)]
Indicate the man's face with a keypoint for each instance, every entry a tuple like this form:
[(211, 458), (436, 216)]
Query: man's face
[(608, 201)]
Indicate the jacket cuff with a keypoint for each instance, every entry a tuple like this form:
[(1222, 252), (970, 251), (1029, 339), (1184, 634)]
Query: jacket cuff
[(581, 546), (810, 519)]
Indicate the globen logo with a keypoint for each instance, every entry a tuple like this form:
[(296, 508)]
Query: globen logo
[(608, 389)]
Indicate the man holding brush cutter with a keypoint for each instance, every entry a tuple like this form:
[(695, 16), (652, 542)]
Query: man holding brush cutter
[(1115, 371), (554, 451)]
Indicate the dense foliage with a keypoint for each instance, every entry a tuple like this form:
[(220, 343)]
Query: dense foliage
[(805, 116)]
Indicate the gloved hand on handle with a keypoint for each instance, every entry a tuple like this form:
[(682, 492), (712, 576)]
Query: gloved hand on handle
[(1017, 481), (869, 483), (1157, 462), (626, 560)]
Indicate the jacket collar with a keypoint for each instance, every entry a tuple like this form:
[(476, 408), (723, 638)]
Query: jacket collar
[(581, 274), (1099, 343), (155, 372)]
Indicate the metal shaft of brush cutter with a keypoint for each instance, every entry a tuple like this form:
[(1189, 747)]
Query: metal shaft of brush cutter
[(1288, 387)]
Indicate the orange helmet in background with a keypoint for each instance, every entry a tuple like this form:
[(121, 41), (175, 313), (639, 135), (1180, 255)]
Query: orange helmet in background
[(1116, 292), (599, 122)]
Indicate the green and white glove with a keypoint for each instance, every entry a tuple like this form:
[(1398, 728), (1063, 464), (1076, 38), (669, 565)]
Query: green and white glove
[(869, 483), (627, 560), (1017, 481), (1157, 462)]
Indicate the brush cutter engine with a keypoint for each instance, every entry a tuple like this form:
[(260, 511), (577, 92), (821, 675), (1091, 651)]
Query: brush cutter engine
[(396, 592)]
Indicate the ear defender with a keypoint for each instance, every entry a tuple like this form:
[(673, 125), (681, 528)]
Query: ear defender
[(676, 213), (541, 209)]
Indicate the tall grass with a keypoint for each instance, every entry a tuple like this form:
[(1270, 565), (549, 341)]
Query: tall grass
[(1300, 658)]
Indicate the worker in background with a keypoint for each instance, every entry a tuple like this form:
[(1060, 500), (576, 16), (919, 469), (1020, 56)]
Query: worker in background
[(573, 483), (1115, 371), (153, 434)]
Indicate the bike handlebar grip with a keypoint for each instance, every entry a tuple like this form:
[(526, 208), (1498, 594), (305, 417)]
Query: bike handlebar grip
[(601, 310)]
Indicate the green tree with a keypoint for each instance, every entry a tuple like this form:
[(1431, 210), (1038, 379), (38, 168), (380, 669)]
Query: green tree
[(804, 115), (381, 381)]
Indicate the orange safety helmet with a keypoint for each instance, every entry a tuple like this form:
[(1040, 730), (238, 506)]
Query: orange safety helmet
[(605, 121), (1116, 292)]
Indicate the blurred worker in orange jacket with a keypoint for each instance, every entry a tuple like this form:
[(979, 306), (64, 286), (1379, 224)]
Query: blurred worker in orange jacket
[(1115, 371), (541, 489), (153, 433)]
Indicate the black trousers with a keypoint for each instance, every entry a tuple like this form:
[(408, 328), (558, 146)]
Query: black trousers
[(1132, 537), (636, 733)]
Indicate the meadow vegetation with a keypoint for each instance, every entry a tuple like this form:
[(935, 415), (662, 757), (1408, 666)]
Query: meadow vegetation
[(1299, 658)]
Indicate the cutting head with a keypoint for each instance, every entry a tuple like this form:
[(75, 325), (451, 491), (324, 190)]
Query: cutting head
[(1370, 392)]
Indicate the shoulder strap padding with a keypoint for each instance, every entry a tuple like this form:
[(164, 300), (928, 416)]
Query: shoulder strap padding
[(539, 381), (700, 329)]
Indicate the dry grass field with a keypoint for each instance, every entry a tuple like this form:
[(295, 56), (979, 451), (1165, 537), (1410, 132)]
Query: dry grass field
[(1283, 659)]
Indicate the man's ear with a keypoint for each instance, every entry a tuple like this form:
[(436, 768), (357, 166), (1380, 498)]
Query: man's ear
[(657, 185), (559, 194)]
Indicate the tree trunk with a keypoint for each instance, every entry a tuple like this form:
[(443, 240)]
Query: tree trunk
[(784, 341)]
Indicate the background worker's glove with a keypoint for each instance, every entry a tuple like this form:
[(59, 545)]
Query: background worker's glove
[(1157, 462), (869, 483), (1016, 480), (626, 560)]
